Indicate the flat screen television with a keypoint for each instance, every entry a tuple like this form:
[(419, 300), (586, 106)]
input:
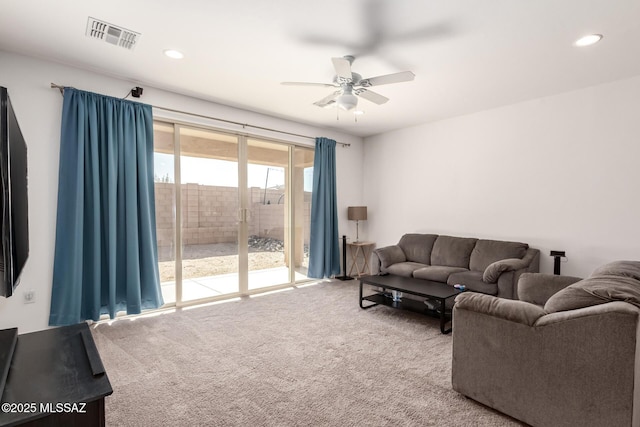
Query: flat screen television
[(13, 198)]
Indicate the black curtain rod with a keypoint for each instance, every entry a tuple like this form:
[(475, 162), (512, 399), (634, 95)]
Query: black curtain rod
[(244, 125)]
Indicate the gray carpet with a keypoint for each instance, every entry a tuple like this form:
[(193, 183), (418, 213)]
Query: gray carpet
[(305, 357)]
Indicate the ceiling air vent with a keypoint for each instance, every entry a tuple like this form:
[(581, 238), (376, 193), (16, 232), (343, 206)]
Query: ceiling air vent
[(112, 33)]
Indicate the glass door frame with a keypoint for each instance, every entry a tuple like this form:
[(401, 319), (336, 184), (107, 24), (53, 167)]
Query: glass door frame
[(243, 223), (243, 211)]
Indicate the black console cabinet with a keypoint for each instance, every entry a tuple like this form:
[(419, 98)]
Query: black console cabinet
[(56, 378)]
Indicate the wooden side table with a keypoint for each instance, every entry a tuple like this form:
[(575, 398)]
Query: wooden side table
[(364, 248)]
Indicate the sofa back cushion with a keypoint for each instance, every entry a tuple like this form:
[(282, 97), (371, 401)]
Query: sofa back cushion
[(452, 251), (486, 252), (417, 247)]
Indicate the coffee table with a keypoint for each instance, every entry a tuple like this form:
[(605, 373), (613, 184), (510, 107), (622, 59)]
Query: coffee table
[(437, 291)]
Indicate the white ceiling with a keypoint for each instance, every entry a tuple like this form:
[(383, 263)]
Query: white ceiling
[(467, 55)]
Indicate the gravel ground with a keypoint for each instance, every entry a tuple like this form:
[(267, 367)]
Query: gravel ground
[(221, 258)]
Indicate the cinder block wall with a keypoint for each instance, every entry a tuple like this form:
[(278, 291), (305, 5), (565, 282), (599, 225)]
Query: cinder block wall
[(210, 214)]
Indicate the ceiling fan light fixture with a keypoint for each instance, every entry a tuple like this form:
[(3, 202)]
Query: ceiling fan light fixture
[(347, 101)]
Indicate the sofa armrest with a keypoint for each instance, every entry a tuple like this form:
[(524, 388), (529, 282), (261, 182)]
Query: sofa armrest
[(376, 265), (390, 255), (507, 309), (493, 271), (537, 288)]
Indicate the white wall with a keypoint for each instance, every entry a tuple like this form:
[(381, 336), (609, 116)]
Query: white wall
[(38, 109), (560, 173)]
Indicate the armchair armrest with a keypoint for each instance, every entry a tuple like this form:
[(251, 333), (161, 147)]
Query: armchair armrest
[(618, 308), (511, 310), (537, 288)]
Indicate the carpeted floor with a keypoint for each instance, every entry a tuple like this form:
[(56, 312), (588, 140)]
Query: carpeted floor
[(304, 357)]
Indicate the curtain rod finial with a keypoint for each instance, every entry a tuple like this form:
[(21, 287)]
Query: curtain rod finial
[(60, 88)]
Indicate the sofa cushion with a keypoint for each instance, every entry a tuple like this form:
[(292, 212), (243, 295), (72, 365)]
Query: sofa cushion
[(593, 291), (619, 268), (417, 247), (473, 281), (390, 255), (452, 251), (405, 269), (437, 273), (487, 252)]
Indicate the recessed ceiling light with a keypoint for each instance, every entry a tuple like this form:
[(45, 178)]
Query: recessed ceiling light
[(173, 54), (588, 40)]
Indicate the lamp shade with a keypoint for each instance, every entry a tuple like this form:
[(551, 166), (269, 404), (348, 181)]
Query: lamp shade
[(357, 213)]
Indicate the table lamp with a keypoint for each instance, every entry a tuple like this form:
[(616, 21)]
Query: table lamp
[(357, 214)]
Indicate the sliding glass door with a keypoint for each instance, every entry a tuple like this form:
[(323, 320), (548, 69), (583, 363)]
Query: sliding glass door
[(244, 213), (302, 178), (165, 192), (268, 203), (209, 208)]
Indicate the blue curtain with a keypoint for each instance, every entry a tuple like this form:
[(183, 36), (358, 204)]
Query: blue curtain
[(106, 256), (324, 250)]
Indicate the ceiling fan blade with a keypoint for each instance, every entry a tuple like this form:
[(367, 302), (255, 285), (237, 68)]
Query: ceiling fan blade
[(432, 31), (403, 76), (376, 98), (343, 68), (307, 84), (328, 100)]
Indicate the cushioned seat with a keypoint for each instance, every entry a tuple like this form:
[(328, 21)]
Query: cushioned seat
[(473, 282), (575, 362), (437, 273), (404, 269)]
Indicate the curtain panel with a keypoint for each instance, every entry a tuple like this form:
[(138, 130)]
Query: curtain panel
[(106, 256), (324, 249)]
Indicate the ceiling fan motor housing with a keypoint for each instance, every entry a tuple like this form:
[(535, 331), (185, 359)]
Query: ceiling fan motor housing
[(353, 81)]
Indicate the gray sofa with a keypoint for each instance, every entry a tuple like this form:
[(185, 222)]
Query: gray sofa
[(567, 354), (488, 266)]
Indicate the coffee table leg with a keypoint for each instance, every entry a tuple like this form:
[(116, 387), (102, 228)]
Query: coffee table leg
[(361, 299), (443, 318)]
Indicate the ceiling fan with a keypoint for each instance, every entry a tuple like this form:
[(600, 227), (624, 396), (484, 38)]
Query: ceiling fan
[(351, 85)]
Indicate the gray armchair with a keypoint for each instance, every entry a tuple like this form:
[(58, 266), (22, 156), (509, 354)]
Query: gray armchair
[(568, 355)]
